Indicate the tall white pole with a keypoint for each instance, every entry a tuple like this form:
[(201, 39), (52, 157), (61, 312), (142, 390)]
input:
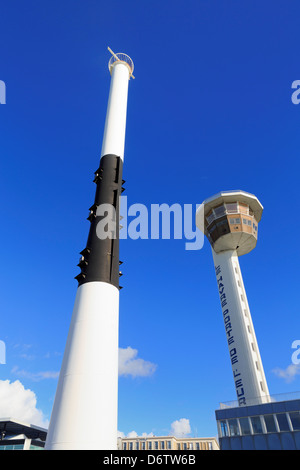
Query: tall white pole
[(248, 373), (84, 415)]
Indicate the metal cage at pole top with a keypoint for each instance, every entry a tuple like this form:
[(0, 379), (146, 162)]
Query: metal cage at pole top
[(120, 57)]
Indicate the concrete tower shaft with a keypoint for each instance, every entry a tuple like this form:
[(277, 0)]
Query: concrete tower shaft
[(231, 226)]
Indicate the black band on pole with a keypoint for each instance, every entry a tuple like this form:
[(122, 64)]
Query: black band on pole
[(100, 258)]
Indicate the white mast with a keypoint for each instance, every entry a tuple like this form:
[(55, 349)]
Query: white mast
[(84, 414)]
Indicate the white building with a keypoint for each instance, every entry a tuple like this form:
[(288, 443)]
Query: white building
[(165, 443)]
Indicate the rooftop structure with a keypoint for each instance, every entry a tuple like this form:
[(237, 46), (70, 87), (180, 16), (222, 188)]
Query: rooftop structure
[(16, 435), (260, 426)]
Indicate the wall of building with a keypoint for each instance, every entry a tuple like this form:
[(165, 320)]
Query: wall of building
[(165, 443), (269, 426)]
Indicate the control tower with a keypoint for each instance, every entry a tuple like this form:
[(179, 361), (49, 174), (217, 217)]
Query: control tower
[(230, 222)]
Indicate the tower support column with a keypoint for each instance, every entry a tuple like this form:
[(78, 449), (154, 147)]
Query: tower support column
[(248, 373)]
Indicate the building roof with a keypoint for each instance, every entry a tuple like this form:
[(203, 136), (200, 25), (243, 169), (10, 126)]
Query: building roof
[(15, 427)]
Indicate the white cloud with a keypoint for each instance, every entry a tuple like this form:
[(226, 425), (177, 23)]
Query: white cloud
[(134, 434), (145, 434), (289, 373), (35, 376), (19, 403), (129, 364), (180, 428)]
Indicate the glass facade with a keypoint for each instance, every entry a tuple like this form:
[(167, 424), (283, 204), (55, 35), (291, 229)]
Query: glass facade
[(256, 424), (270, 423), (20, 447), (245, 426), (268, 426), (233, 427), (12, 447), (295, 419), (282, 421)]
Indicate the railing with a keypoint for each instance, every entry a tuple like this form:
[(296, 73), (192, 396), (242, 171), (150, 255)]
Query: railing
[(260, 400), (225, 209)]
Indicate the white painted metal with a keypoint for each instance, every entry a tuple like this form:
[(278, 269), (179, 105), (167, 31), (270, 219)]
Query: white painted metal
[(84, 414), (247, 368), (115, 124)]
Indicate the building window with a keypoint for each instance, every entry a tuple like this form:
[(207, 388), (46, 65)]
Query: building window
[(245, 427), (162, 445), (12, 447), (224, 429), (210, 218), (219, 211), (295, 419), (143, 445), (247, 222), (130, 445), (235, 221), (137, 445), (197, 445), (233, 427), (184, 446), (256, 425), (124, 446), (150, 445), (231, 208), (156, 445), (270, 423), (178, 446), (169, 445), (282, 422)]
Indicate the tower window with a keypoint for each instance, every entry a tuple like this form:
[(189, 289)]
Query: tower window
[(231, 208), (235, 220)]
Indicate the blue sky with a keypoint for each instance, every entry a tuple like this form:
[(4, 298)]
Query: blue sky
[(210, 110)]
